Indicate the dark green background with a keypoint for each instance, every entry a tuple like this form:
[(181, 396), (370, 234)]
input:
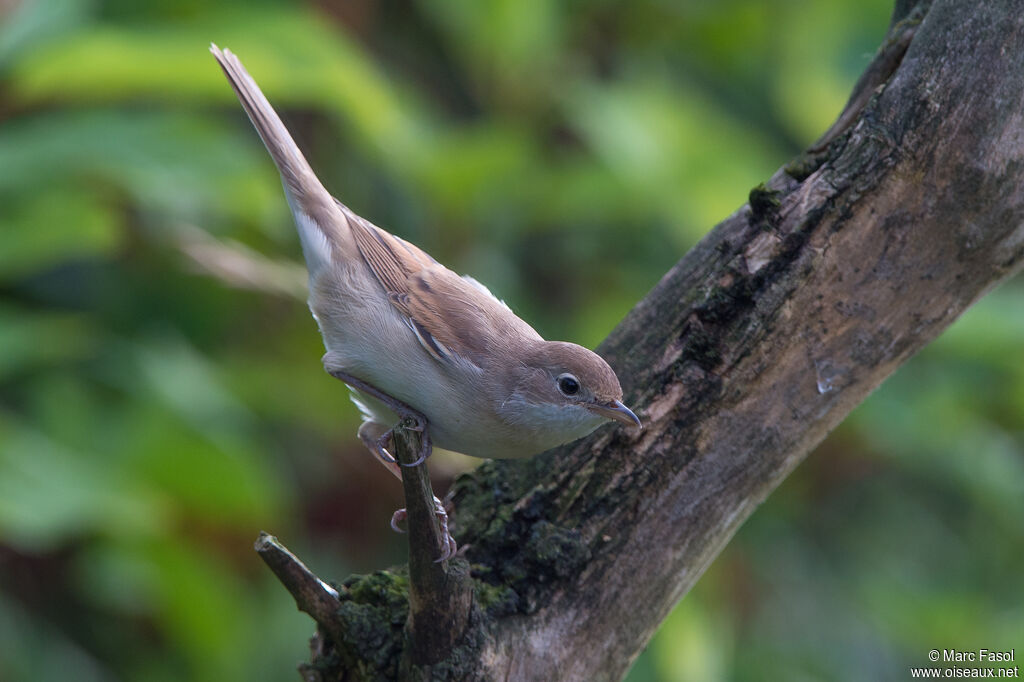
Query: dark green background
[(161, 394)]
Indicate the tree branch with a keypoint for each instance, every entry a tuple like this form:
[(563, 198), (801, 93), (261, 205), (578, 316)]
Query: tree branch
[(440, 593), (746, 354), (312, 595)]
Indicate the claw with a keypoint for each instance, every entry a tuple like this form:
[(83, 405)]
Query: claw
[(377, 445), (385, 455), (397, 518), (448, 544), (449, 547), (380, 447), (449, 550)]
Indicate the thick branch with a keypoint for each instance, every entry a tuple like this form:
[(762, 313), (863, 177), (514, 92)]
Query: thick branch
[(888, 59), (757, 344), (744, 356)]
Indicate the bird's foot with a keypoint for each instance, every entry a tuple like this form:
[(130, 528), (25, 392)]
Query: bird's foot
[(408, 418), (378, 444), (448, 545), (417, 422)]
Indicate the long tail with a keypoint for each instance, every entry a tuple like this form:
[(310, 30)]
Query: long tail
[(314, 208)]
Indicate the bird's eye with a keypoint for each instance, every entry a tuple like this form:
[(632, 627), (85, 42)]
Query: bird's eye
[(568, 384)]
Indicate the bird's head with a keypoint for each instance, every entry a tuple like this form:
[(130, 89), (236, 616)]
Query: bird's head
[(565, 391)]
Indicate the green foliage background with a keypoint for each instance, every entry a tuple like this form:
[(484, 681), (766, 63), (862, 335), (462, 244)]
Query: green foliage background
[(161, 395)]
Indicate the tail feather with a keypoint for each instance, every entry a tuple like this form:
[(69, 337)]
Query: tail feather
[(313, 206)]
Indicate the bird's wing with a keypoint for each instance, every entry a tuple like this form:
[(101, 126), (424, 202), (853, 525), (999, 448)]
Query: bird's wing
[(453, 318)]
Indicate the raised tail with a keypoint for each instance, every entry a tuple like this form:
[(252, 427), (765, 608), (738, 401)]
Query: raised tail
[(314, 208), (295, 170)]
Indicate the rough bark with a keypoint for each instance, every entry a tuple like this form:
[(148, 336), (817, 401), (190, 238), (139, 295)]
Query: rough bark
[(746, 354)]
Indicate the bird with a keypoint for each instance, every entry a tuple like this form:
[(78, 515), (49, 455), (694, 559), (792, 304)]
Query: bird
[(417, 343)]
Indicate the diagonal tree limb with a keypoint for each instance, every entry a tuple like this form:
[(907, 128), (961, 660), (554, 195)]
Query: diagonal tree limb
[(746, 354), (757, 344)]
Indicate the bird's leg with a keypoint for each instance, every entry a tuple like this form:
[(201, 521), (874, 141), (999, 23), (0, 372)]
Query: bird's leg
[(370, 434), (376, 438), (405, 413)]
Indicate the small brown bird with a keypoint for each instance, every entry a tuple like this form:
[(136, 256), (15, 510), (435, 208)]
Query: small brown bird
[(415, 340)]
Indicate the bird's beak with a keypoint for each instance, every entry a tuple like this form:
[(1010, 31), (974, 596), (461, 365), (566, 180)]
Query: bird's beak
[(617, 411)]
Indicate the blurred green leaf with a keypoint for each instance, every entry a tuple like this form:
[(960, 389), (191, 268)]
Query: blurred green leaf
[(56, 225), (295, 56), (49, 494), (33, 23), (669, 151), (152, 156), (35, 650), (30, 340), (507, 45)]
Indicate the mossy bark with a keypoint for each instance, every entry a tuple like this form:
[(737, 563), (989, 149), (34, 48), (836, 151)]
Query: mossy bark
[(746, 354)]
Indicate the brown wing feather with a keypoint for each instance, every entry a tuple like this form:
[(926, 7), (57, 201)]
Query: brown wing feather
[(447, 313)]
